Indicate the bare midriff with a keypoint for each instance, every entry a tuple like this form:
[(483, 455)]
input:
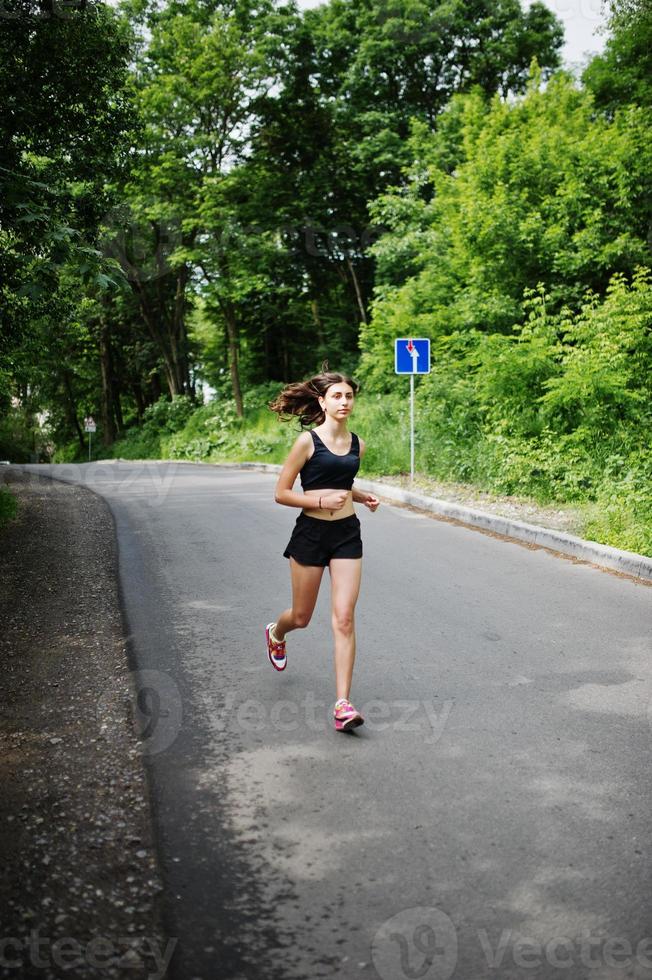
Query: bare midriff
[(323, 513)]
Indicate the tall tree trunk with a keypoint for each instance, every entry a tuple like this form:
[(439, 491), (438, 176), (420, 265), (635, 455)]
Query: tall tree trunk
[(356, 284), (286, 357), (179, 333), (228, 311), (137, 391), (150, 316), (117, 409), (106, 369), (156, 387), (71, 408), (232, 336), (316, 319), (117, 401)]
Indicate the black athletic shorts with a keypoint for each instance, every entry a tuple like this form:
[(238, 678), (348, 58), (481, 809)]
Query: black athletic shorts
[(315, 541)]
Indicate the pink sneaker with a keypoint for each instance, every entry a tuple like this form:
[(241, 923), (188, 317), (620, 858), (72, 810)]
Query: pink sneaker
[(275, 651), (346, 716)]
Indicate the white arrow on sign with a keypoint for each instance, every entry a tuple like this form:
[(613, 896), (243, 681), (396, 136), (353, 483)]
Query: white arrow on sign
[(414, 354)]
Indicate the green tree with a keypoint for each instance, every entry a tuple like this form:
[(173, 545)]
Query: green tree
[(58, 142), (332, 136), (539, 191), (199, 78), (623, 73)]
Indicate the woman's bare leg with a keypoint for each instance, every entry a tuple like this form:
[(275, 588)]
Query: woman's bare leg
[(306, 580), (345, 588)]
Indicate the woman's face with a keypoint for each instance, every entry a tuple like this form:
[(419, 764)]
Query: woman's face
[(338, 401)]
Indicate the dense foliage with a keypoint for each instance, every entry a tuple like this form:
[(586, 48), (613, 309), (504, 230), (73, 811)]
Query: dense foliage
[(59, 141), (241, 189)]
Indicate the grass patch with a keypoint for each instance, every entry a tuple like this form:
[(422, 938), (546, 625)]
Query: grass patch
[(8, 506)]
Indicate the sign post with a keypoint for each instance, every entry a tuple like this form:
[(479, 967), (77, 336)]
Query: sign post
[(90, 427), (411, 356)]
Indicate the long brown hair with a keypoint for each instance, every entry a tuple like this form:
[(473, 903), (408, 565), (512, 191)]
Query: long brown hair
[(302, 397)]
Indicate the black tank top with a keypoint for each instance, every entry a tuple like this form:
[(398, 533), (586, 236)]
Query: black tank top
[(326, 470)]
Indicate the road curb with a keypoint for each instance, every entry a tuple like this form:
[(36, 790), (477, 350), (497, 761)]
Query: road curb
[(627, 562)]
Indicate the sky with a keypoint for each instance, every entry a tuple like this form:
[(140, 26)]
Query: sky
[(580, 18)]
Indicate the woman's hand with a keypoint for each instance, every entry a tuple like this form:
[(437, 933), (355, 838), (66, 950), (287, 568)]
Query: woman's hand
[(335, 500), (371, 502)]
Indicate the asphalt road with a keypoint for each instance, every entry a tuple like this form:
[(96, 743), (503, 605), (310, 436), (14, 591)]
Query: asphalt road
[(490, 820)]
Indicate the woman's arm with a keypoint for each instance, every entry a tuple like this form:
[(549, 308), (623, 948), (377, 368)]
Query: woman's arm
[(295, 460), (359, 496), (362, 496)]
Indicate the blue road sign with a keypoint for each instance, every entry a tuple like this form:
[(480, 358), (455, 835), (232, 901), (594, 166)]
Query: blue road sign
[(411, 356)]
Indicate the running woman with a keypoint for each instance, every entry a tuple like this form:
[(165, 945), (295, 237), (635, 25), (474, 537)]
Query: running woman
[(327, 531)]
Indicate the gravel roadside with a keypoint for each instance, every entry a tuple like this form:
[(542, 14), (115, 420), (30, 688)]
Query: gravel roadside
[(80, 894), (569, 518)]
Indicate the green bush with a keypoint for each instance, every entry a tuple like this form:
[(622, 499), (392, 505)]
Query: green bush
[(8, 506), (16, 437), (160, 421), (168, 415), (623, 516), (260, 396)]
